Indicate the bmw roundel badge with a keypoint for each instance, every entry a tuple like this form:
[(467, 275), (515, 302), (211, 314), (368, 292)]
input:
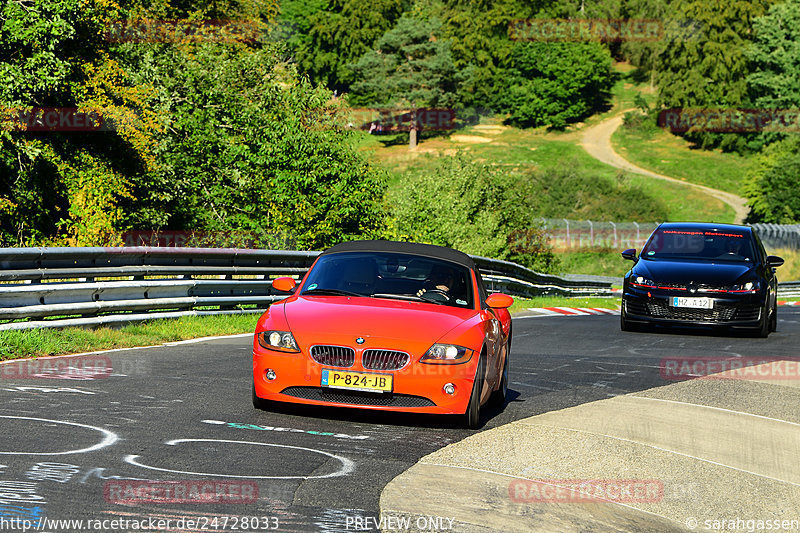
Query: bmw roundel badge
[(360, 340)]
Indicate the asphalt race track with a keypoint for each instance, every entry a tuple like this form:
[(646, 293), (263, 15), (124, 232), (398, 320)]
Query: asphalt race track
[(87, 438)]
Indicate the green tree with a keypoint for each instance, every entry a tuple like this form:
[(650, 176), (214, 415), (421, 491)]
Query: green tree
[(772, 188), (553, 83), (340, 34), (249, 146), (709, 68), (479, 34), (410, 68), (775, 79), (66, 184)]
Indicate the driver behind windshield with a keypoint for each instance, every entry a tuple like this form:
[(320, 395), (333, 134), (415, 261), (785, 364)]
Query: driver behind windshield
[(441, 279)]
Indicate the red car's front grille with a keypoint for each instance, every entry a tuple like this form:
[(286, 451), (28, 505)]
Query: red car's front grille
[(358, 397), (339, 356), (384, 359)]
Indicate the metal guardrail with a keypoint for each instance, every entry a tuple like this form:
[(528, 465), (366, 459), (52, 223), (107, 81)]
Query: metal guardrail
[(789, 289), (59, 287)]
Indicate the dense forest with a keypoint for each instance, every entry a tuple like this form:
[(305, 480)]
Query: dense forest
[(236, 118)]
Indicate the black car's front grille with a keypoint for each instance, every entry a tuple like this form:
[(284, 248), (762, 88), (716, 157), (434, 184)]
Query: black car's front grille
[(659, 309), (384, 359), (358, 397), (339, 356)]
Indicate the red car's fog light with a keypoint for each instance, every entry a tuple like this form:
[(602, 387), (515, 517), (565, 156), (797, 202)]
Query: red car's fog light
[(270, 374), (449, 389)]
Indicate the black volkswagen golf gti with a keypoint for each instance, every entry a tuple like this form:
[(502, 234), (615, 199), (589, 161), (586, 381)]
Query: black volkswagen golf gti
[(702, 274)]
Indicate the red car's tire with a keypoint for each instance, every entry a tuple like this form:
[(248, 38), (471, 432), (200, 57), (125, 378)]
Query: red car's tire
[(259, 403), (472, 416), (498, 398)]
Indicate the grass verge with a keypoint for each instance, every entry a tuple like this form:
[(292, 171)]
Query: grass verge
[(660, 151), (44, 342)]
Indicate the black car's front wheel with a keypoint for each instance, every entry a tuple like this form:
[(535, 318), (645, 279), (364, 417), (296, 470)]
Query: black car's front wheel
[(763, 328), (773, 319), (624, 323)]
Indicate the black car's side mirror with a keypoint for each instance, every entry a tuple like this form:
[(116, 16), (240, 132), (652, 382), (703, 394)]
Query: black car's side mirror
[(630, 253), (773, 261)]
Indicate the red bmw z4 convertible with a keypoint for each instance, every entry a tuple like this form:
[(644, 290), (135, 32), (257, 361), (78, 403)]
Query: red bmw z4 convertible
[(386, 325)]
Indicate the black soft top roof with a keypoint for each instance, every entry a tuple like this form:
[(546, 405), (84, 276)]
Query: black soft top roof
[(412, 248)]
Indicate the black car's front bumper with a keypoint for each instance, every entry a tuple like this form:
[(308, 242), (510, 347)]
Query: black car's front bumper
[(655, 306)]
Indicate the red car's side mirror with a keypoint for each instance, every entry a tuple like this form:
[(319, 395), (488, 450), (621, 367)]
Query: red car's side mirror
[(284, 284), (499, 300)]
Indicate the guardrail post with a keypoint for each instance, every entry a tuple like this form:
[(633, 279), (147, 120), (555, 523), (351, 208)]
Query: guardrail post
[(615, 233), (591, 233), (568, 241)]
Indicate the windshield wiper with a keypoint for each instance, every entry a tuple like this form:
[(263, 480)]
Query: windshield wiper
[(410, 297), (330, 292)]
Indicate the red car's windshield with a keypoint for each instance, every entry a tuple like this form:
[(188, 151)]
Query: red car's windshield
[(391, 275)]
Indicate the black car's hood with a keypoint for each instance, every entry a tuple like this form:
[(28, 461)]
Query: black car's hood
[(705, 273)]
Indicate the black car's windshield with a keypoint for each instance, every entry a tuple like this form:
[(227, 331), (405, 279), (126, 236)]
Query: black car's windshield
[(391, 275), (701, 244)]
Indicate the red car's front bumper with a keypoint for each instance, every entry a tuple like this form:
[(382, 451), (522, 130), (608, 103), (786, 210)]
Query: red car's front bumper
[(417, 387)]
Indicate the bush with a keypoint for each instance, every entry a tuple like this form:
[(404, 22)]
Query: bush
[(771, 186), (552, 84), (474, 208), (564, 192)]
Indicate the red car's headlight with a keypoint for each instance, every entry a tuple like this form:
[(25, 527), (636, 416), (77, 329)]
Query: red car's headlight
[(282, 341), (446, 354)]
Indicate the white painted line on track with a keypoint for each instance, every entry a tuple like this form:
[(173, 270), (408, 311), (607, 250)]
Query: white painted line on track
[(109, 437), (347, 465), (664, 450), (716, 409)]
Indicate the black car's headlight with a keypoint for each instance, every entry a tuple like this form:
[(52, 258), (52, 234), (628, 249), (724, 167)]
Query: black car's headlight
[(748, 287), (446, 354), (282, 341), (639, 281)]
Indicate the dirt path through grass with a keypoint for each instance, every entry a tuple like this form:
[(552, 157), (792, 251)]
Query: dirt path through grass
[(596, 141)]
